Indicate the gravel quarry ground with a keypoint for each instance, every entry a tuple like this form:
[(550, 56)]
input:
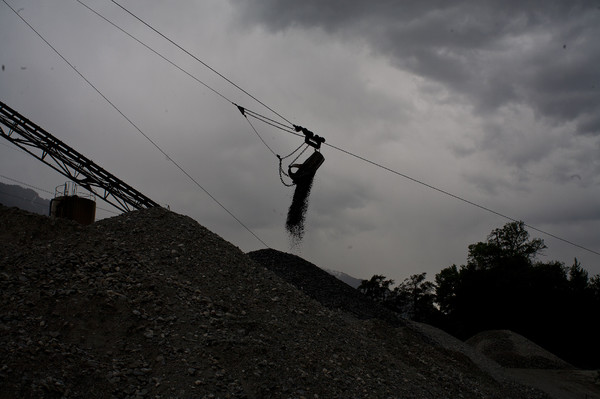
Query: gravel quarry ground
[(150, 304), (530, 364)]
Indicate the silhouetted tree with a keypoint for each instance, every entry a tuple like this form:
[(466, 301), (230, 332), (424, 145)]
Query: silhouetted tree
[(509, 245), (446, 286), (377, 288), (578, 277), (594, 287), (414, 298), (489, 291)]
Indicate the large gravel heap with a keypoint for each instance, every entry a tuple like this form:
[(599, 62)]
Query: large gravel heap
[(150, 304)]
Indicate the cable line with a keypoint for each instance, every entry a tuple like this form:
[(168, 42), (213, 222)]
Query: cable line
[(243, 110), (29, 200), (270, 121), (202, 62), (46, 191), (155, 52), (458, 197), (25, 184), (17, 149), (137, 128)]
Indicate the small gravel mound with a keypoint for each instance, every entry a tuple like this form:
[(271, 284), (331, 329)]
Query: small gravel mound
[(512, 350)]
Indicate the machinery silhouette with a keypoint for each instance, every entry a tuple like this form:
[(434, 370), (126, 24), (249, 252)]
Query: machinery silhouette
[(36, 141)]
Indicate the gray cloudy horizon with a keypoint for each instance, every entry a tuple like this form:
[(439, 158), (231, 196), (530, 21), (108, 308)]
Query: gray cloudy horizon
[(497, 102)]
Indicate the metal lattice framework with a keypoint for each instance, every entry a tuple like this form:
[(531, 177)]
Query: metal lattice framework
[(65, 160)]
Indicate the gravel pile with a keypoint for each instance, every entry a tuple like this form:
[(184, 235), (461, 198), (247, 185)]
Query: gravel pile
[(322, 286), (337, 295), (150, 304), (512, 350)]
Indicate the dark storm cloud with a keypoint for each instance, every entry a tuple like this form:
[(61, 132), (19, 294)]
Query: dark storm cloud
[(489, 53)]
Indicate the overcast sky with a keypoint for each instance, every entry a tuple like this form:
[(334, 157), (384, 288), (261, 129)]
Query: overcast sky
[(497, 102)]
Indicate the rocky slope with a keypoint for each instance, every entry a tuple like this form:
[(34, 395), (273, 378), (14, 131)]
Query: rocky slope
[(322, 286), (152, 305)]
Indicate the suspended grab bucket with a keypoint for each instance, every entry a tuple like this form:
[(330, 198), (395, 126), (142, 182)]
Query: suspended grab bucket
[(307, 169)]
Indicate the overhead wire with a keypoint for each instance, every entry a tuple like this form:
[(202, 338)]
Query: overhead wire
[(45, 191), (272, 121), (29, 200), (245, 111), (17, 149), (27, 185), (260, 137), (200, 61), (156, 52), (136, 127), (182, 70), (458, 197)]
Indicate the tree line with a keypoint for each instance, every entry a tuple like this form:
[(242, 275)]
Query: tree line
[(504, 286)]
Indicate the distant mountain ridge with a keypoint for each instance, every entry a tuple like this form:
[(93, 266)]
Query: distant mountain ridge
[(346, 278), (23, 198)]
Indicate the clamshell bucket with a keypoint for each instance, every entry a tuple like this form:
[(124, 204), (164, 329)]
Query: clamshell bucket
[(307, 169)]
